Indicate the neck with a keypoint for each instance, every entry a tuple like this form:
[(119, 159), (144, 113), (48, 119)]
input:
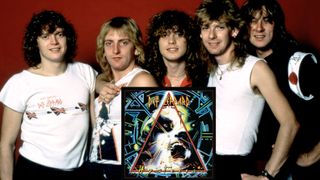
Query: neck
[(118, 74), (263, 53), (49, 69), (227, 56), (175, 69)]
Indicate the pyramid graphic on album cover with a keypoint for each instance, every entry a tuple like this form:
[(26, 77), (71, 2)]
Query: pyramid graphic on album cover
[(168, 146)]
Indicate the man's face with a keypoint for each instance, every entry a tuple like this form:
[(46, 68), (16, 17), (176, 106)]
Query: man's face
[(216, 37), (52, 46), (119, 50), (172, 46), (261, 29)]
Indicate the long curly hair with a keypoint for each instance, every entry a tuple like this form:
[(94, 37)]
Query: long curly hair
[(228, 12), (129, 27), (159, 25), (282, 38), (49, 21)]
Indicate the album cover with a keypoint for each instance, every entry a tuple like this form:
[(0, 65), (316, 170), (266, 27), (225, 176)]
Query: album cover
[(168, 132)]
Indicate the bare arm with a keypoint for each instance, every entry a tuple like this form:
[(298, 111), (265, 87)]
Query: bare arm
[(264, 80), (11, 123)]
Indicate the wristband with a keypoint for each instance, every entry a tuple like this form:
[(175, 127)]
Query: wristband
[(293, 73), (266, 174)]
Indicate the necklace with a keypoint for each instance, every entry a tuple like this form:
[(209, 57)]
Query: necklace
[(220, 72)]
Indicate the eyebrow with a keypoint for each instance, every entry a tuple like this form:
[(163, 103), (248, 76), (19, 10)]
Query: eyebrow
[(125, 39), (45, 32)]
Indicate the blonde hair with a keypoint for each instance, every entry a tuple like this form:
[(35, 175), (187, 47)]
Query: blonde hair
[(129, 27)]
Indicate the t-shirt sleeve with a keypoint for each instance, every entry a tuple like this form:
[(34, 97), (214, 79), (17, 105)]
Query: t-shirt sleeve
[(11, 94), (90, 76)]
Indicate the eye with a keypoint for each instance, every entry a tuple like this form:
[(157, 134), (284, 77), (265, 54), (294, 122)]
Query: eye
[(205, 26), (60, 34), (220, 27), (107, 43), (165, 34), (124, 43), (179, 34), (44, 36), (267, 20)]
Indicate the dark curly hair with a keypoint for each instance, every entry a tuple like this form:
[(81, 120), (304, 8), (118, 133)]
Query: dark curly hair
[(48, 21), (282, 38), (179, 22)]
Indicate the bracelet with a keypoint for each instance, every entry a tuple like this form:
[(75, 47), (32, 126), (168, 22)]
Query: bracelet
[(265, 173)]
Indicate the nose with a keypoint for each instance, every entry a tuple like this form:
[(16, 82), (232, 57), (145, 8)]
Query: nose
[(259, 26), (212, 33), (172, 38), (116, 49), (53, 39)]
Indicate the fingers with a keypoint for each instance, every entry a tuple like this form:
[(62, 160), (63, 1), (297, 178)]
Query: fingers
[(122, 85), (108, 92)]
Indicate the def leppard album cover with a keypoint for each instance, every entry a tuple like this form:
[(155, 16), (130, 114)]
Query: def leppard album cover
[(168, 132)]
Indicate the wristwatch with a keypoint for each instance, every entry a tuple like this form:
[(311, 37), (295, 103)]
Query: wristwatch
[(266, 174)]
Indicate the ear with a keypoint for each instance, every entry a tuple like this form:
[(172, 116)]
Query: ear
[(235, 33), (136, 52), (201, 36)]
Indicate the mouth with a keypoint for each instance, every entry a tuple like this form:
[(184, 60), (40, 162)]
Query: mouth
[(116, 58), (213, 44), (172, 49), (56, 49), (178, 150), (259, 37)]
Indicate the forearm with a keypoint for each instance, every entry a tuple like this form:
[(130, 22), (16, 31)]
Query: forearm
[(284, 140), (6, 161)]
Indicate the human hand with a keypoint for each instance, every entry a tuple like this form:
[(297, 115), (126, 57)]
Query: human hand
[(108, 92)]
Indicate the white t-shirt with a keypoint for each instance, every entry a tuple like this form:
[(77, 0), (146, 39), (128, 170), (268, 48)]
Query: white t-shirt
[(55, 114), (238, 109)]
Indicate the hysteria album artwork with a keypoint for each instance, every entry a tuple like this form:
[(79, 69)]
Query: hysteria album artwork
[(168, 133)]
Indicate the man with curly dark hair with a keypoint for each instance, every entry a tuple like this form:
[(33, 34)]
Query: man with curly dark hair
[(171, 50), (53, 118)]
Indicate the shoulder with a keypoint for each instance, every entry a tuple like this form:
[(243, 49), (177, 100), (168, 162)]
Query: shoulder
[(261, 73), (253, 62), (143, 78), (253, 59), (21, 76), (82, 67), (261, 69), (78, 64)]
